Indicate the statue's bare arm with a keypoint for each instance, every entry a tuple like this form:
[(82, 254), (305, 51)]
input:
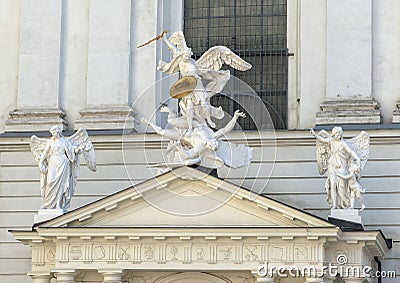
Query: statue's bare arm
[(229, 127), (320, 138), (170, 45)]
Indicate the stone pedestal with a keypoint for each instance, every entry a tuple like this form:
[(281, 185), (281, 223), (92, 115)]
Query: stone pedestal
[(347, 214), (396, 113), (47, 214), (348, 112), (106, 118), (32, 120)]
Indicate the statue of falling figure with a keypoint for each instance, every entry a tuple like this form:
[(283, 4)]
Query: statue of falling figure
[(192, 141)]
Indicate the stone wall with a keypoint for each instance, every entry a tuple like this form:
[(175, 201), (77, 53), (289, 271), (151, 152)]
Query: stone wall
[(292, 177), (69, 57)]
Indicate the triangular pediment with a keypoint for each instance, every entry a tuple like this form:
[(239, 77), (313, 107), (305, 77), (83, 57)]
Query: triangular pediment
[(186, 197)]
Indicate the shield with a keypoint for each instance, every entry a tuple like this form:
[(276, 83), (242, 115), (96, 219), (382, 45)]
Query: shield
[(183, 87)]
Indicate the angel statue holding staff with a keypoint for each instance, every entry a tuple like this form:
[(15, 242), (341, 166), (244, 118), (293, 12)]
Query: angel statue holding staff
[(58, 160), (195, 104), (344, 161)]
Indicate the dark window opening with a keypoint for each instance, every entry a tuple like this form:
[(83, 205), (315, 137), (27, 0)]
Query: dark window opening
[(256, 31)]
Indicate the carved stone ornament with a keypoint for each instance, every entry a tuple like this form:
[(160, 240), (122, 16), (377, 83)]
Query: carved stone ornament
[(58, 161), (192, 141), (343, 160)]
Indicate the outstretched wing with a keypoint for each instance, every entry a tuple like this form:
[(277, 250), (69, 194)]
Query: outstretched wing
[(38, 145), (178, 39), (80, 140), (216, 56), (323, 153), (360, 144)]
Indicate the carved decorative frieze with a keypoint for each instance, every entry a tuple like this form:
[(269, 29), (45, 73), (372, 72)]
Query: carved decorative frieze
[(137, 253)]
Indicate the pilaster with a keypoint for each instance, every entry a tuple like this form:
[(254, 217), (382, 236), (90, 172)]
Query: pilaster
[(40, 55), (349, 97), (109, 67)]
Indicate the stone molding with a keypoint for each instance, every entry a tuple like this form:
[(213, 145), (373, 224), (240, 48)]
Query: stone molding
[(35, 120), (106, 117), (335, 112), (235, 251)]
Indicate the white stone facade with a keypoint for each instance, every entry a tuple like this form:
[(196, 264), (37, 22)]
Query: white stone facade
[(75, 63)]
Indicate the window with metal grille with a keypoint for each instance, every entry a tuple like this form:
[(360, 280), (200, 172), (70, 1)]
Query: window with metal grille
[(256, 31)]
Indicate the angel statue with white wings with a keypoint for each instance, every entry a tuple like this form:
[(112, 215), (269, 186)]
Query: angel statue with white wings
[(195, 102), (58, 160), (344, 161)]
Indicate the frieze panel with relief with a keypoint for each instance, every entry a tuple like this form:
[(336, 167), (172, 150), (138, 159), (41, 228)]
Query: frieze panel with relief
[(43, 255), (187, 252)]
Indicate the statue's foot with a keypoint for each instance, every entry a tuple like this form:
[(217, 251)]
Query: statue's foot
[(362, 208)]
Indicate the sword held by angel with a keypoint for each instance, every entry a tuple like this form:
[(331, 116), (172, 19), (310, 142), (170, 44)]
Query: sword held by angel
[(194, 94), (196, 104), (192, 141)]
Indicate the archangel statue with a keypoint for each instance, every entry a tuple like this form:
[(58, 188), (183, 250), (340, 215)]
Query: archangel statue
[(192, 140), (344, 161), (58, 161), (196, 104)]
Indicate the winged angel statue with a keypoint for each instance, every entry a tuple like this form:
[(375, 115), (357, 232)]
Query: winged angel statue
[(58, 160), (196, 104), (192, 139), (344, 161)]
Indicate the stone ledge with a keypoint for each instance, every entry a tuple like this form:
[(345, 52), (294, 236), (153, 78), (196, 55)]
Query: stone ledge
[(106, 118), (348, 112), (35, 120)]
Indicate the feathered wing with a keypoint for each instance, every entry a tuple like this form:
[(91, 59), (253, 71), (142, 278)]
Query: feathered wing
[(360, 144), (216, 56), (323, 153), (216, 81), (38, 145), (178, 38), (80, 140)]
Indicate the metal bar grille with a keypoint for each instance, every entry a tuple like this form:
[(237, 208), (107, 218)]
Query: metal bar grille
[(256, 31)]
